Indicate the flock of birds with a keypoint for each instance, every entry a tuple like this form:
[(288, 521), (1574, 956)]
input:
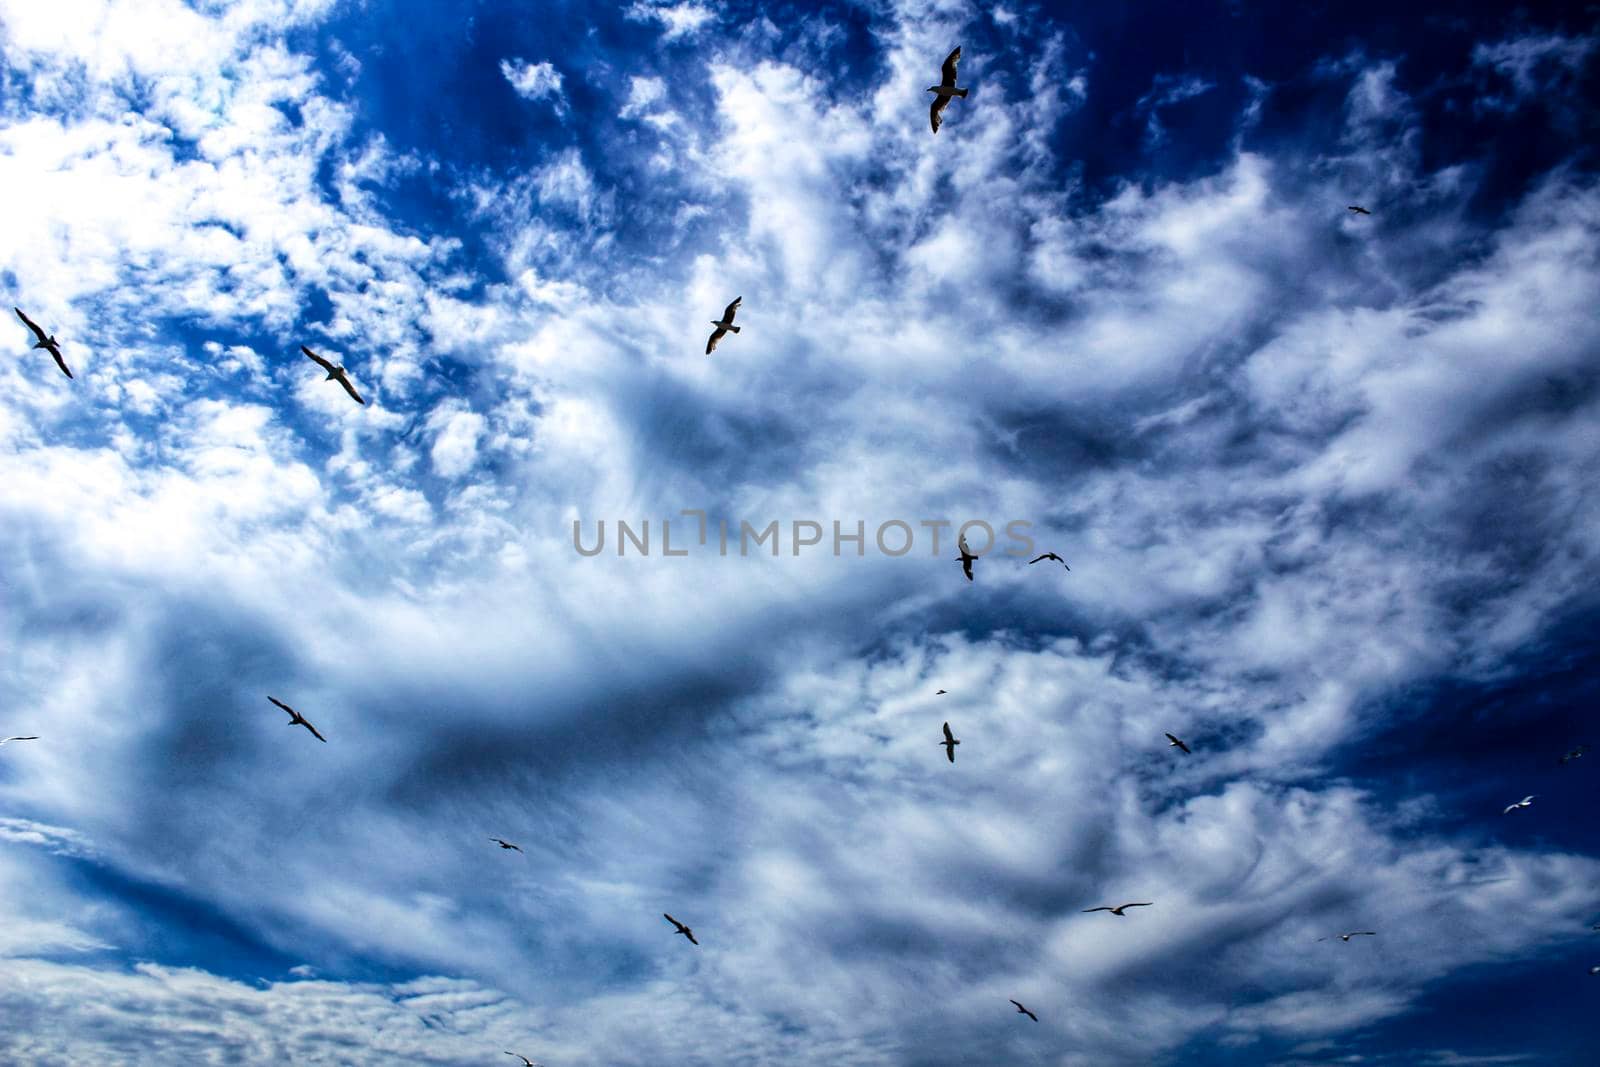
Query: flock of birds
[(944, 92)]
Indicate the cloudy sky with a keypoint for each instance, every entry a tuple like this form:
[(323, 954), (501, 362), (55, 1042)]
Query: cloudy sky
[(1327, 485)]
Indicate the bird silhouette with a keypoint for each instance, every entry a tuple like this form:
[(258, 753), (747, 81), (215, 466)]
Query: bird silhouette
[(1359, 210), (45, 341), (682, 929), (504, 844), (1346, 937), (296, 719), (8, 740), (1118, 909), (1576, 753), (1525, 802), (723, 326), (525, 1061), (966, 558), (1594, 970), (1175, 743), (945, 89), (940, 693), (336, 373), (1024, 1011), (949, 743), (1049, 555)]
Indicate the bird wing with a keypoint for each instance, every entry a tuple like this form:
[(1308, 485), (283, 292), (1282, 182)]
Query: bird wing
[(282, 705), (1031, 562), (30, 737), (318, 360), (56, 352), (1019, 1006), (344, 380), (936, 112), (949, 69), (948, 736), (1322, 939), (690, 935), (732, 309), (1364, 933), (313, 730), (1143, 904), (1030, 1014), (966, 566), (1510, 808), (673, 921), (1100, 908), (716, 335), (34, 326)]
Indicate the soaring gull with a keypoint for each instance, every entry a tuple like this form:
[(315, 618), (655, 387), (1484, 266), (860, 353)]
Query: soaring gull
[(724, 325), (336, 373), (296, 719), (1118, 909), (504, 844), (8, 740), (1049, 555), (945, 89), (525, 1061), (1354, 933), (1173, 742), (949, 743), (1576, 753), (1024, 1011), (1359, 210), (966, 558), (45, 341), (1525, 802), (682, 929)]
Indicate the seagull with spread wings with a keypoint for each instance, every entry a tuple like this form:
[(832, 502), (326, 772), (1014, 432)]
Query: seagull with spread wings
[(1359, 210), (1576, 753), (1173, 742), (45, 341), (336, 373), (945, 89), (1525, 802), (525, 1061), (1118, 909), (682, 929), (723, 326), (1024, 1011), (296, 719), (1346, 937), (504, 844), (949, 743), (8, 740), (966, 559), (1049, 555)]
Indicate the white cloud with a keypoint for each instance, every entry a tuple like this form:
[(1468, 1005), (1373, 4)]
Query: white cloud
[(535, 81), (678, 20)]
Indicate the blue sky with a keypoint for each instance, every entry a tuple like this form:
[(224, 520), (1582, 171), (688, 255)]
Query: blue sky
[(1326, 484)]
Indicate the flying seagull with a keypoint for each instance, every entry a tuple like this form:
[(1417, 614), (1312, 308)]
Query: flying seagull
[(945, 89), (949, 743), (682, 929), (940, 693), (1525, 802), (46, 341), (1024, 1011), (525, 1061), (966, 558), (1173, 742), (504, 844), (1359, 210), (296, 719), (8, 740), (724, 326), (1576, 753), (1049, 555), (1346, 937), (1594, 970), (1118, 909), (336, 373)]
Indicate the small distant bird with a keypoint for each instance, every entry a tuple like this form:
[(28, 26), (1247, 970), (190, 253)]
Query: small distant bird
[(504, 844), (525, 1061), (945, 89), (949, 743), (1576, 753), (296, 719), (1525, 802), (1049, 555), (336, 373), (1024, 1011), (8, 740), (1359, 210), (723, 326), (682, 929), (46, 341), (1346, 937), (1594, 970), (966, 558), (1173, 742), (940, 693), (1118, 909)]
